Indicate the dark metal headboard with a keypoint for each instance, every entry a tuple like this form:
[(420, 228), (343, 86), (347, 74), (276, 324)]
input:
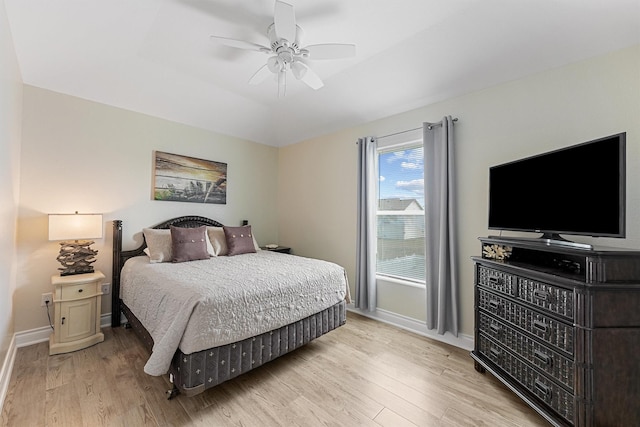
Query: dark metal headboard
[(120, 256)]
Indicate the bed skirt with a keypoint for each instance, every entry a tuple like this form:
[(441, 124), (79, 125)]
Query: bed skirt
[(193, 373)]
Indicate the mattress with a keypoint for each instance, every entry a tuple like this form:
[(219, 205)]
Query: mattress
[(197, 372)]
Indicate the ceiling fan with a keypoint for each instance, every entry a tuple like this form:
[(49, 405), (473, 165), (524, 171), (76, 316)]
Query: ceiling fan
[(287, 52)]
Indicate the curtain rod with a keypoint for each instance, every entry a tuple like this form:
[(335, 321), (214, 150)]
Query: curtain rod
[(430, 126)]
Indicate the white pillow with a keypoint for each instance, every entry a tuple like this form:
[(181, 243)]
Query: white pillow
[(218, 241), (159, 245)]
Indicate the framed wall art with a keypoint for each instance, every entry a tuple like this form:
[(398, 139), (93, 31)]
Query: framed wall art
[(178, 178)]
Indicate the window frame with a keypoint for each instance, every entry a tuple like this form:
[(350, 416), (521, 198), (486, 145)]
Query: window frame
[(405, 141)]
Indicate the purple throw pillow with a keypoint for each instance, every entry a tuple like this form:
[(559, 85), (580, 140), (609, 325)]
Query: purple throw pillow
[(239, 240), (188, 244)]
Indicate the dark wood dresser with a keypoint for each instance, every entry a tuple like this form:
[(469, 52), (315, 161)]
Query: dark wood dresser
[(560, 326)]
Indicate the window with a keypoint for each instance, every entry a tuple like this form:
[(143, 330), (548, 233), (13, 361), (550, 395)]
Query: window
[(400, 213)]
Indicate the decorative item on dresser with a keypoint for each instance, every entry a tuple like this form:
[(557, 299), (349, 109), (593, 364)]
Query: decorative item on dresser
[(560, 326)]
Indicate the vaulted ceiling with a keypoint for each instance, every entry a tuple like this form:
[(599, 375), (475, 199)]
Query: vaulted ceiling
[(156, 56)]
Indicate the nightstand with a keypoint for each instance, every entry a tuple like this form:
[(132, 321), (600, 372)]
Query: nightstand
[(282, 249), (76, 301)]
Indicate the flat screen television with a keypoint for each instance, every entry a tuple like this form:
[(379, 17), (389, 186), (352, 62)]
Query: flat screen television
[(577, 190)]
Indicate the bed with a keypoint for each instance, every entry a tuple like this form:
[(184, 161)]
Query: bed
[(209, 320)]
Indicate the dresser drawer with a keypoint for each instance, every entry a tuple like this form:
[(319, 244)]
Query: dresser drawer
[(497, 280), (553, 363), (558, 334), (561, 400), (552, 298), (548, 297)]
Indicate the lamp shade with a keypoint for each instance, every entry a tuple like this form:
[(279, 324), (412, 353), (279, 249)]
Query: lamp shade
[(75, 226)]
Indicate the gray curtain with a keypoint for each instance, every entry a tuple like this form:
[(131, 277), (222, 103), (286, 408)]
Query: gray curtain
[(440, 236), (366, 244)]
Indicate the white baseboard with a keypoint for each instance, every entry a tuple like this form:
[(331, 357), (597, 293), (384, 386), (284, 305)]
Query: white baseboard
[(38, 335), (416, 326), (24, 339), (7, 368)]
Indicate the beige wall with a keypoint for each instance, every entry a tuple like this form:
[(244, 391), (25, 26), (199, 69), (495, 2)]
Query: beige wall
[(561, 107), (83, 156), (10, 111)]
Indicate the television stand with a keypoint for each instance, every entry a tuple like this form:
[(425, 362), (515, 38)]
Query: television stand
[(560, 327)]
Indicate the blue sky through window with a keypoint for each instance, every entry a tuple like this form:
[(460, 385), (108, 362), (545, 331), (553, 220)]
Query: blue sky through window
[(401, 174)]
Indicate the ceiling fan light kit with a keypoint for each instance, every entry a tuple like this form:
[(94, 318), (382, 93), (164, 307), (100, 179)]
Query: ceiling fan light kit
[(288, 54)]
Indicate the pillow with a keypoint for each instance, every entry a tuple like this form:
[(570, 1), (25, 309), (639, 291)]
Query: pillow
[(159, 245), (219, 241), (239, 240), (189, 244)]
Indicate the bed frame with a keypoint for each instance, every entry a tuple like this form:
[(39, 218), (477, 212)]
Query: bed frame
[(194, 373)]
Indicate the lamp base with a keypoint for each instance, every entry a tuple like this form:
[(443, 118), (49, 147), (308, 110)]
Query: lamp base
[(72, 271), (76, 257)]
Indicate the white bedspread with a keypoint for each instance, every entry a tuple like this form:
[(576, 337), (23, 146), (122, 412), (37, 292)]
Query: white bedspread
[(202, 304)]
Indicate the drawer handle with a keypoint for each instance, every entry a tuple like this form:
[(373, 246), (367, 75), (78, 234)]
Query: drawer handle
[(80, 290), (544, 358), (541, 326), (495, 328), (494, 304), (495, 352), (542, 388), (493, 279), (542, 295)]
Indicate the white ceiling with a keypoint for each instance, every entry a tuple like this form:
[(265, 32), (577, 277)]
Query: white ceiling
[(156, 57)]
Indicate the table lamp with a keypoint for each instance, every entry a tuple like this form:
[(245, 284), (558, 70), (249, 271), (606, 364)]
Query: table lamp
[(76, 256)]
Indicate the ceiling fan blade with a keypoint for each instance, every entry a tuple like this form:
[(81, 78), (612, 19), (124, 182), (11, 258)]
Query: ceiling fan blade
[(331, 51), (240, 44), (260, 75), (284, 19), (282, 83), (302, 72)]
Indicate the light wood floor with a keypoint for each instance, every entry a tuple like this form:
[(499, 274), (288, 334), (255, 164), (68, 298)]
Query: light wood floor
[(364, 373)]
